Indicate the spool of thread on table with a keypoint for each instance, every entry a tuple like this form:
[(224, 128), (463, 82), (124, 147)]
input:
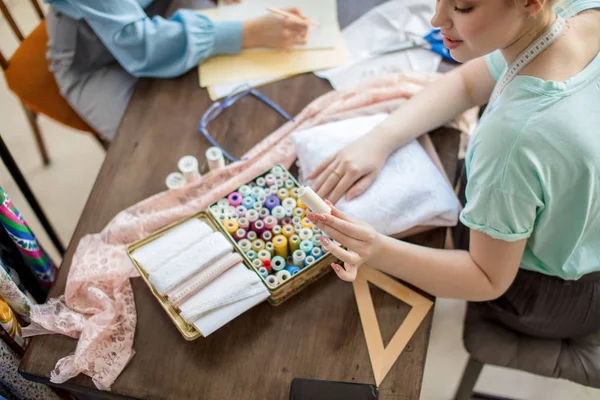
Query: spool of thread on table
[(264, 255), (277, 171), (243, 223), (188, 165), (289, 184), (235, 199), (299, 212), (240, 234), (252, 215), (270, 179), (263, 272), (283, 193), (270, 248), (272, 281), (287, 231), (257, 206), (315, 230), (258, 245), (244, 190), (306, 246), (289, 202), (245, 245), (278, 212), (263, 213), (175, 180), (276, 230), (257, 191), (309, 260), (251, 235), (315, 240), (248, 202), (298, 258), (313, 201), (292, 269), (241, 211), (258, 226), (261, 182), (294, 193), (285, 176), (267, 236), (231, 226), (214, 158), (277, 263), (316, 252), (294, 242), (305, 234), (251, 254), (256, 263), (281, 246), (270, 222), (306, 223), (272, 201), (283, 276)]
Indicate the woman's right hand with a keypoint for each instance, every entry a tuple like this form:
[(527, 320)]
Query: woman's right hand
[(350, 171), (275, 31)]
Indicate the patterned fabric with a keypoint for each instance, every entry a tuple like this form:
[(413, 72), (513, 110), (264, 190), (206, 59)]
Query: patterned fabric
[(98, 287), (10, 324), (13, 385), (10, 292), (18, 230)]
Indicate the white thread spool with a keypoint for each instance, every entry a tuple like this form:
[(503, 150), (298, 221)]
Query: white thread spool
[(257, 263), (277, 171), (215, 159), (272, 281), (263, 272), (175, 180), (313, 201), (188, 165), (283, 276), (245, 245), (298, 258), (305, 234), (252, 236)]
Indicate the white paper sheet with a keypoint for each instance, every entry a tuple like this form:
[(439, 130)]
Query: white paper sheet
[(323, 12), (381, 28)]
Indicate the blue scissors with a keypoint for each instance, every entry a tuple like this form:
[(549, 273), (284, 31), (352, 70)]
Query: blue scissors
[(433, 41)]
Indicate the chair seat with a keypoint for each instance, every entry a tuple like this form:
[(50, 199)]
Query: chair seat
[(577, 360), (29, 77)]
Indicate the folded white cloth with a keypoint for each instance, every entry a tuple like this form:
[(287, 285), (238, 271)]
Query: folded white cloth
[(235, 284), (154, 254), (409, 191), (188, 262)]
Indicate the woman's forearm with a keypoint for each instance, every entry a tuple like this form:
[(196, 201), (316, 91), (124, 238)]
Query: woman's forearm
[(442, 273)]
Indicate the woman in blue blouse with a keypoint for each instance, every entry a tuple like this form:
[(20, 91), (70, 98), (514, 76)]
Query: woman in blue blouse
[(98, 49)]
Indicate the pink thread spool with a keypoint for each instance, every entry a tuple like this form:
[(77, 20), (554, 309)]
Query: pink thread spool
[(258, 226), (235, 199), (239, 234), (244, 223), (241, 211), (286, 221), (270, 222)]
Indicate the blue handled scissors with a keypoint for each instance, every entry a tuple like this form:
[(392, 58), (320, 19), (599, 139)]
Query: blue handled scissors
[(433, 41)]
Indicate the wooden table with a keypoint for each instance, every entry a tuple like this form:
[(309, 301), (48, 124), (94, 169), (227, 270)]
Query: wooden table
[(316, 334)]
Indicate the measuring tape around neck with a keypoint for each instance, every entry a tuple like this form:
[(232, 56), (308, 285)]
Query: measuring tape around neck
[(527, 55)]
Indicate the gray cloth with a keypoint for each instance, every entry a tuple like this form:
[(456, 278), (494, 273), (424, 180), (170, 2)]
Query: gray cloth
[(88, 76)]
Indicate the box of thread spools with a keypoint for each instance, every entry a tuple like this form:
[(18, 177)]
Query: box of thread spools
[(264, 223)]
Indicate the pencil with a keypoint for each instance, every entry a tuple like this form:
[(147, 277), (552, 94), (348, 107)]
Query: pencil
[(290, 15)]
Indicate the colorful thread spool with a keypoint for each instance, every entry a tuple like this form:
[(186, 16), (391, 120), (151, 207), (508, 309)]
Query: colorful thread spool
[(277, 263), (251, 235), (223, 203), (289, 184), (251, 254), (264, 255), (296, 220), (308, 261), (270, 222), (279, 182), (258, 226), (289, 212), (283, 193), (258, 245), (270, 179), (267, 236), (175, 180), (315, 240), (298, 227), (214, 158), (256, 263), (306, 246), (299, 212), (306, 223), (252, 215), (261, 182), (245, 245), (231, 226), (281, 245), (257, 191), (239, 234), (292, 269), (262, 198), (272, 281), (248, 202), (285, 176), (235, 199), (270, 248), (272, 201), (287, 221), (299, 202), (263, 272), (244, 190), (289, 202), (298, 258), (305, 233), (241, 211), (244, 223), (313, 201), (276, 230), (287, 231), (316, 252), (263, 213), (222, 218), (277, 171), (294, 193), (278, 212), (267, 264), (283, 276), (294, 242), (257, 206), (315, 230)]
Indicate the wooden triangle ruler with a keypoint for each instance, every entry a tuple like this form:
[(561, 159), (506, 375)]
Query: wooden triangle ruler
[(383, 358)]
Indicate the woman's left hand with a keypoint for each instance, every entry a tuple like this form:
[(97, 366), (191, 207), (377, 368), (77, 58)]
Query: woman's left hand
[(361, 241)]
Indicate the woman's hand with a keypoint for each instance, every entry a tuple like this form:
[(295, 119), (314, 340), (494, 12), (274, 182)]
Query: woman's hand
[(351, 171), (275, 31), (361, 241)]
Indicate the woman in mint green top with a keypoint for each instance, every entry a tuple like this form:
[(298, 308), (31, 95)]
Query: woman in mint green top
[(533, 169)]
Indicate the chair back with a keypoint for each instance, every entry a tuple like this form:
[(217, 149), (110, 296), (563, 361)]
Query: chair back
[(15, 28)]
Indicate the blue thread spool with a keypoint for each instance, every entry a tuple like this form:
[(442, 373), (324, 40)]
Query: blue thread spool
[(306, 246), (292, 269), (316, 252), (248, 202), (251, 254), (308, 261), (277, 263), (263, 272)]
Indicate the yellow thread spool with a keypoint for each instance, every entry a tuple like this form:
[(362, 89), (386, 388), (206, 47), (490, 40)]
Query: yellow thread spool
[(294, 193), (300, 204), (306, 223), (287, 231), (294, 243), (258, 245), (282, 194), (231, 225), (281, 246)]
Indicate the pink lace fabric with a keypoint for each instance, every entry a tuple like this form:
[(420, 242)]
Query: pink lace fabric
[(98, 305)]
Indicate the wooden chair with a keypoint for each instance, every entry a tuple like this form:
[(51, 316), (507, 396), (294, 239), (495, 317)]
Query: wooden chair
[(28, 76)]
